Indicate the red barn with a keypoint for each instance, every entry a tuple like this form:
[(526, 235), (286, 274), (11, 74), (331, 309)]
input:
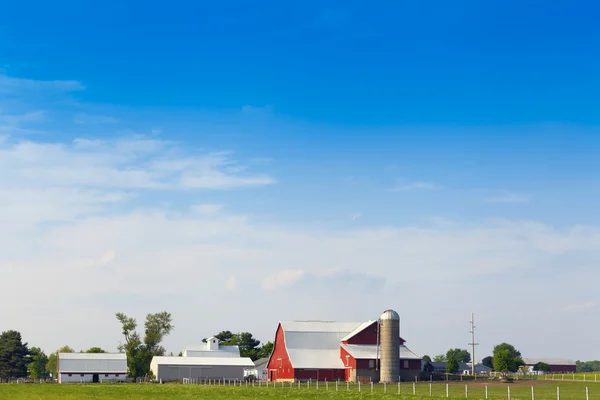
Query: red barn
[(560, 365), (327, 350)]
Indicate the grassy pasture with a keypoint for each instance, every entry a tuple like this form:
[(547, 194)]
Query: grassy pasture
[(476, 390)]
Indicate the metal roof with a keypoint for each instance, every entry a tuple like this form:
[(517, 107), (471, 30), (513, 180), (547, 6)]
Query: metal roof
[(390, 314), (199, 351), (261, 361), (316, 344), (549, 361), (92, 363), (203, 361), (316, 358), (369, 351)]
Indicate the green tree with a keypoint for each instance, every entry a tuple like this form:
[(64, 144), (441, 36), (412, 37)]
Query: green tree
[(587, 366), (14, 355), (95, 350), (439, 358), (426, 358), (506, 358), (543, 367), (52, 364), (459, 355), (488, 361), (266, 350), (452, 365), (37, 366), (140, 353)]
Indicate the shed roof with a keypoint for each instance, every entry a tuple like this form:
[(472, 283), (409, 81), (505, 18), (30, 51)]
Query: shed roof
[(92, 363), (203, 361), (261, 361), (549, 361), (369, 351)]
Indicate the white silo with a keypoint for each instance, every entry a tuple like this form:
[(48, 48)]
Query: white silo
[(389, 339)]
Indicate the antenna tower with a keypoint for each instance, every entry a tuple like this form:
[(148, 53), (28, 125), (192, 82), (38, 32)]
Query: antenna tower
[(473, 344)]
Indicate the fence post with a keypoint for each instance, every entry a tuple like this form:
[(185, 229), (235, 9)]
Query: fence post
[(336, 385), (384, 387), (532, 394), (508, 392), (371, 386), (326, 385), (414, 389), (359, 386), (347, 385), (486, 392), (587, 393), (447, 390), (558, 393), (317, 385), (430, 389), (573, 377), (466, 391), (398, 387)]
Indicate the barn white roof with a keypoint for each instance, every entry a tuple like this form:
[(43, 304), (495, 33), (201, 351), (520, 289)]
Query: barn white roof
[(102, 363), (316, 344), (203, 361), (549, 361), (369, 351)]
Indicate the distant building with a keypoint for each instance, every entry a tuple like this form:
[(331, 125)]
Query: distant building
[(561, 365), (91, 367), (259, 372), (327, 350), (463, 368), (207, 361)]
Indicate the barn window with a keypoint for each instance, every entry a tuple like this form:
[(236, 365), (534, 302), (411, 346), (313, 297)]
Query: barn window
[(70, 374), (117, 375), (106, 375), (82, 375), (406, 364), (371, 363)]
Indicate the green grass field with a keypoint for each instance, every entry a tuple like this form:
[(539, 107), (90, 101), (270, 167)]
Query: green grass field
[(496, 391)]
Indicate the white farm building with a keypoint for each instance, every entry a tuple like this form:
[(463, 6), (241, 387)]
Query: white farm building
[(91, 367), (208, 361)]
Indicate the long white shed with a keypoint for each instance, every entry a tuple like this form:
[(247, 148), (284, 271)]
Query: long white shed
[(91, 367), (177, 368)]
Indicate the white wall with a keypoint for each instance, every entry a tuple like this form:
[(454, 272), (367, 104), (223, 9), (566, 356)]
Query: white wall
[(89, 378)]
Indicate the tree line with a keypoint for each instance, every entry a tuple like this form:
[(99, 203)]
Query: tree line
[(505, 358)]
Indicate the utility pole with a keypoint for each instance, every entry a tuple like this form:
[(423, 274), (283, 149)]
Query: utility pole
[(473, 344)]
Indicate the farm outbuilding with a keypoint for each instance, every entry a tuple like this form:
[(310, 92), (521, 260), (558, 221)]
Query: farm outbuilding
[(177, 368), (210, 360), (328, 350), (561, 365), (91, 367)]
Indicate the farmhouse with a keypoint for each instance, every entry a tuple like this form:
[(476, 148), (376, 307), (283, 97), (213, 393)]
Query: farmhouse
[(259, 371), (91, 367), (327, 350), (561, 365), (208, 361)]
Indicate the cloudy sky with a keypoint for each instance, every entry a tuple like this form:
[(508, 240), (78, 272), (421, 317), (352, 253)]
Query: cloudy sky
[(238, 165)]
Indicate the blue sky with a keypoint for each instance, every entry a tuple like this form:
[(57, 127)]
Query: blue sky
[(409, 151)]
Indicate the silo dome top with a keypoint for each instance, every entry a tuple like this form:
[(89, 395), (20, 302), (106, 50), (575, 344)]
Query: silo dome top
[(390, 314)]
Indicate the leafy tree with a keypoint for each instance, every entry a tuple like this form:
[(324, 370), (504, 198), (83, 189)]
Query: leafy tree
[(140, 353), (427, 359), (452, 365), (541, 367), (488, 361), (588, 366), (506, 358), (95, 350), (180, 354), (266, 350), (52, 364), (14, 355), (440, 358), (37, 366), (459, 355)]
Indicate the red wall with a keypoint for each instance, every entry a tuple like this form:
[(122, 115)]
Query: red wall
[(280, 369), (329, 375), (563, 368)]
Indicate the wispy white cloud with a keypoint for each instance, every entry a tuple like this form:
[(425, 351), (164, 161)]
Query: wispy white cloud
[(580, 307), (355, 216), (256, 110), (84, 119), (136, 162), (509, 198), (20, 85), (418, 185)]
